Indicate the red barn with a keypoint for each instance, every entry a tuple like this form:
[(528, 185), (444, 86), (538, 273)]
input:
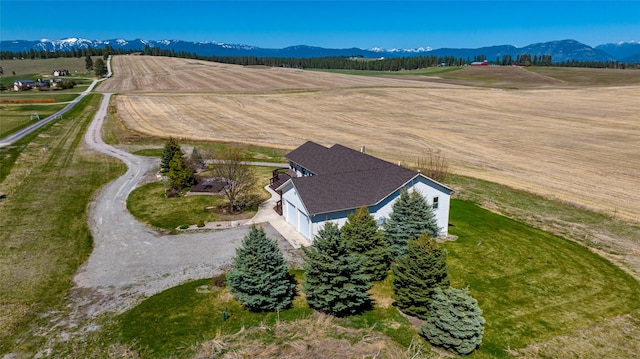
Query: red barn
[(478, 63)]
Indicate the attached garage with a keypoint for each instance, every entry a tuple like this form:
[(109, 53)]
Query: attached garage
[(291, 213), (305, 225)]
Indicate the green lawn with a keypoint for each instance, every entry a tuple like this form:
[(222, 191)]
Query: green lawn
[(18, 116), (148, 204), (531, 286)]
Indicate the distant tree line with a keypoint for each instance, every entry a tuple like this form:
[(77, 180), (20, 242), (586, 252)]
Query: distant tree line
[(338, 63)]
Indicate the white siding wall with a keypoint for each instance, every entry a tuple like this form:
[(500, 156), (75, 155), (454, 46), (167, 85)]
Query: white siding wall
[(299, 220), (442, 212)]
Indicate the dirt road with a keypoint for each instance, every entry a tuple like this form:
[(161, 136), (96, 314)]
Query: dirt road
[(130, 261)]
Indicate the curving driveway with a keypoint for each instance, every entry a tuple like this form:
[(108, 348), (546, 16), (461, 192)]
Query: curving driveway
[(130, 261)]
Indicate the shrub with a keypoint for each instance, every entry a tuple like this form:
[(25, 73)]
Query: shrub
[(455, 321)]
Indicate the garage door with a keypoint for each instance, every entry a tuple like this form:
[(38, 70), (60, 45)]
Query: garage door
[(304, 224), (292, 215)]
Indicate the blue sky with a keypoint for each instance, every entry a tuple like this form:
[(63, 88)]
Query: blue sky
[(335, 24)]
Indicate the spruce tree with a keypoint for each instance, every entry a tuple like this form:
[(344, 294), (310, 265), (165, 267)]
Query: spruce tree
[(411, 216), (362, 237), (335, 280), (455, 321), (170, 148), (180, 175), (260, 279), (417, 275)]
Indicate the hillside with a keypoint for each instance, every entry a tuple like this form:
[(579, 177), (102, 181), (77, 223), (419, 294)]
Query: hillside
[(564, 143)]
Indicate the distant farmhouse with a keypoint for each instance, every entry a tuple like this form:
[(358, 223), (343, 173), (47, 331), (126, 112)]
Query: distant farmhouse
[(480, 63), (327, 184), (22, 85), (62, 72), (41, 84)]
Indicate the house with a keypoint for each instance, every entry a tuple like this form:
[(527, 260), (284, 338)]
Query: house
[(20, 85), (60, 72), (327, 184)]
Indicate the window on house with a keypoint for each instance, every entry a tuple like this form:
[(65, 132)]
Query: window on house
[(435, 202)]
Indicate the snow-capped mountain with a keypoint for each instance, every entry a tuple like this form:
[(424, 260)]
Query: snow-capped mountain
[(563, 50)]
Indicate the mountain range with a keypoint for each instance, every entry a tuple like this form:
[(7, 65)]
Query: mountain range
[(560, 51)]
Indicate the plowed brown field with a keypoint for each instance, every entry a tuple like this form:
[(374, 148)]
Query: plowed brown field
[(577, 144)]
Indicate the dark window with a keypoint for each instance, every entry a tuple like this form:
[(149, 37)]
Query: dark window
[(435, 202)]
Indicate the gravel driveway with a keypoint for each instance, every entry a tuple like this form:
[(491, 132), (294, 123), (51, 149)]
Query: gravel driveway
[(131, 261)]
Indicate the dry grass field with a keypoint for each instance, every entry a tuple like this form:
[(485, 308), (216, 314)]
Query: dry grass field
[(578, 144)]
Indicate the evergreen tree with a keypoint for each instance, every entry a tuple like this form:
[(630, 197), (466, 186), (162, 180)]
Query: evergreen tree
[(260, 279), (180, 175), (335, 280), (455, 321), (411, 216), (417, 275), (195, 160), (100, 67), (170, 148), (362, 237), (88, 62)]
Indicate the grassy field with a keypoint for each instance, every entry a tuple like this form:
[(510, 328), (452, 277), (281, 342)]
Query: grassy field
[(43, 225), (17, 116), (44, 67), (16, 108), (531, 285)]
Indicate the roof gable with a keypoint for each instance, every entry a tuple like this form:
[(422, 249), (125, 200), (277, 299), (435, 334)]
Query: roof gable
[(345, 179)]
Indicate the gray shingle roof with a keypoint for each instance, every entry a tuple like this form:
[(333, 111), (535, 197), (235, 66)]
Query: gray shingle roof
[(344, 178)]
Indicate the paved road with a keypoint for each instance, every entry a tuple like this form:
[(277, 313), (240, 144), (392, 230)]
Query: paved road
[(130, 260)]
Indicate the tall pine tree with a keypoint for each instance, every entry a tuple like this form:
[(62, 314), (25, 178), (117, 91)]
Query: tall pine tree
[(180, 175), (362, 237), (417, 274), (411, 216), (335, 280), (170, 148), (260, 279)]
